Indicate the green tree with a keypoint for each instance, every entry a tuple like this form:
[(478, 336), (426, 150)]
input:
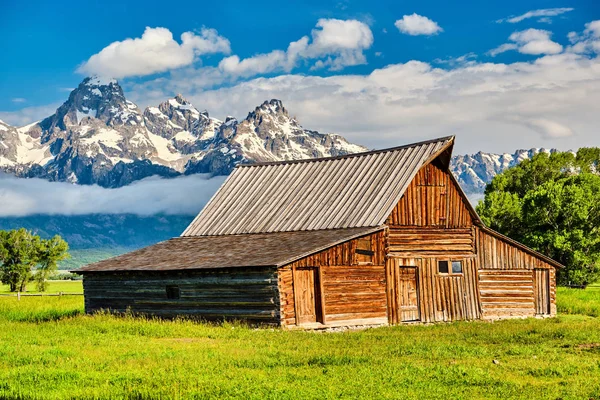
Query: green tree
[(51, 251), (552, 204), (21, 251)]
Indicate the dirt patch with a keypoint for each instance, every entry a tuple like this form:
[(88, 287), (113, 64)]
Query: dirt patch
[(588, 346)]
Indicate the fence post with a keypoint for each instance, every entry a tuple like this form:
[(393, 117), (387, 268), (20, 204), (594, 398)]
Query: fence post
[(19, 296)]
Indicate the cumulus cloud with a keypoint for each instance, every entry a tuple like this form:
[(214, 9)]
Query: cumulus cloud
[(334, 44), (182, 195), (588, 41), (156, 51), (264, 63), (529, 41), (550, 101), (342, 41), (545, 15), (417, 25)]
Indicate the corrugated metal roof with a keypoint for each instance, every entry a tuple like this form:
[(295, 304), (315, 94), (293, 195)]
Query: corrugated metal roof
[(358, 190), (208, 252)]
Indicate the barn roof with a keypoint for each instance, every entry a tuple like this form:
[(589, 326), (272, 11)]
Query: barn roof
[(357, 190), (207, 252)]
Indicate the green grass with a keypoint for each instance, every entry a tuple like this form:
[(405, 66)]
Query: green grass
[(50, 350), (577, 301), (53, 287)]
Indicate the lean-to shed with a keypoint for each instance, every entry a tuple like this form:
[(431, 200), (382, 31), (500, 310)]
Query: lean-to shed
[(382, 237)]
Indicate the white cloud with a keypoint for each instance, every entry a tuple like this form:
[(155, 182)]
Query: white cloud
[(588, 41), (548, 102), (264, 63), (155, 51), (502, 48), (417, 25), (529, 41), (18, 100), (343, 41), (28, 115), (548, 128), (545, 14), (334, 44), (182, 195), (465, 59)]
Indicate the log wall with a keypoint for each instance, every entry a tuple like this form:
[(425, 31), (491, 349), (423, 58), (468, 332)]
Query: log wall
[(407, 241), (249, 294), (506, 293), (352, 282)]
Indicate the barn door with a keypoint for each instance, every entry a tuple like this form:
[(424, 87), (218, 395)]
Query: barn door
[(307, 295), (542, 291), (406, 292)]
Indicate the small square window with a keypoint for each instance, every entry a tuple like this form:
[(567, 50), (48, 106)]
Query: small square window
[(456, 267), (364, 252), (443, 267), (173, 292)]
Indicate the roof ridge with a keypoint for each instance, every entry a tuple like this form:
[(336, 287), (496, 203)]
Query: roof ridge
[(364, 153), (275, 232)]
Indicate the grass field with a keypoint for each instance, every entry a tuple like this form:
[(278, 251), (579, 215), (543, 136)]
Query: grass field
[(50, 350), (53, 287)]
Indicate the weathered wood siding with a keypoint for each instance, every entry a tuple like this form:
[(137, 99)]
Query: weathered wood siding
[(506, 293), (352, 283), (432, 223), (441, 297), (354, 292), (431, 199), (507, 276), (406, 241), (234, 293)]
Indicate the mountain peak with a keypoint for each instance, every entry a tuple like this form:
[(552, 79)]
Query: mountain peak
[(95, 81), (180, 99), (273, 106)]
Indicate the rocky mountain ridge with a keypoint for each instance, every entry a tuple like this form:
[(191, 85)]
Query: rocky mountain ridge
[(99, 137)]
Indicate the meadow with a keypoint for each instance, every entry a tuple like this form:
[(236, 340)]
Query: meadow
[(50, 350)]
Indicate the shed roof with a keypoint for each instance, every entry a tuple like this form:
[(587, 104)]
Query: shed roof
[(357, 190), (208, 252)]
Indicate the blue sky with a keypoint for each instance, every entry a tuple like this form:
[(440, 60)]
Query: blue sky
[(46, 44)]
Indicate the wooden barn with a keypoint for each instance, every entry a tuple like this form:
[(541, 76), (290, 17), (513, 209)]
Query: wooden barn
[(382, 237)]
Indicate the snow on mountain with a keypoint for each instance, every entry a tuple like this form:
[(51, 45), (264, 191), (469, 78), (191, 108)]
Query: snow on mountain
[(99, 137)]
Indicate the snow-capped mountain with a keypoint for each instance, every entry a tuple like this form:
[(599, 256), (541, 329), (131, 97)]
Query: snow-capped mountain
[(99, 137), (475, 171)]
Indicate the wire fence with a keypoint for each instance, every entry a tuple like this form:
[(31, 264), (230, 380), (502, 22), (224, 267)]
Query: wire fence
[(19, 295)]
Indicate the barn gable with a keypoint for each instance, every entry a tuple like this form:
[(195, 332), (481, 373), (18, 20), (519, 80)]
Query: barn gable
[(433, 199)]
